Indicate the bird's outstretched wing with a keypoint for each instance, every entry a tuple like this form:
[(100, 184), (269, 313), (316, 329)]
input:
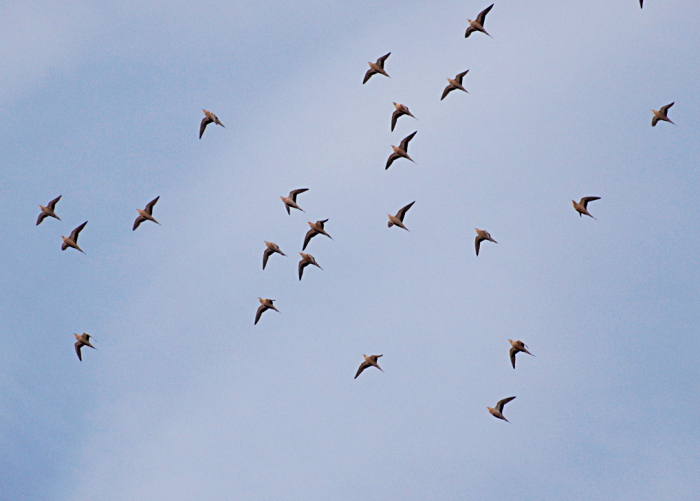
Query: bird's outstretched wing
[(74, 234), (41, 217), (362, 367), (261, 308), (78, 344), (481, 18), (460, 77), (503, 402), (293, 194), (380, 61), (406, 140), (664, 109), (52, 203), (394, 117), (585, 200), (151, 204), (369, 73), (447, 90), (137, 222), (309, 235), (513, 351), (205, 121), (403, 211), (477, 243)]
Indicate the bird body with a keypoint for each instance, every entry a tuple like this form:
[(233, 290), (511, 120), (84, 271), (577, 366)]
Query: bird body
[(478, 23), (662, 115), (515, 347), (317, 228), (454, 84), (377, 67), (291, 200), (48, 211), (400, 151), (306, 260), (370, 361), (482, 235), (209, 117), (400, 111), (398, 218), (72, 240), (147, 214), (271, 248), (265, 304), (582, 206), (498, 410), (82, 340)]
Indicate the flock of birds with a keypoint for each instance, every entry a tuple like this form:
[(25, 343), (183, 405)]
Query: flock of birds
[(318, 227)]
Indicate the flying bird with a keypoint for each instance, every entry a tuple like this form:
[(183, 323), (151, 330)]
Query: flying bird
[(661, 114), (82, 340), (72, 240), (270, 250), (478, 24), (291, 200), (370, 361), (498, 411), (316, 229), (398, 218), (582, 206), (209, 117), (306, 260), (400, 111), (454, 84), (482, 235), (375, 68), (265, 304), (48, 210), (147, 214), (401, 151), (517, 346)]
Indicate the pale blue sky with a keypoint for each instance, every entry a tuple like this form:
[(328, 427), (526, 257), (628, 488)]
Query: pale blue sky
[(185, 399)]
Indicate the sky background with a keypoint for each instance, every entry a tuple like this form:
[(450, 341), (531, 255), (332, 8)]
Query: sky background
[(186, 399)]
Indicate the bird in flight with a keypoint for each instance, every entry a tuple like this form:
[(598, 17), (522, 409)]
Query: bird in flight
[(270, 250), (498, 410), (400, 111), (316, 229), (82, 340), (517, 346), (398, 218), (582, 206), (401, 151), (482, 235), (48, 211), (72, 240), (375, 68), (291, 200), (453, 84), (370, 361), (209, 117), (147, 214), (306, 260), (478, 24), (661, 114), (265, 304)]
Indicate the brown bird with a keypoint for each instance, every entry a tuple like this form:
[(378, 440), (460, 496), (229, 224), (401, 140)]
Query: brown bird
[(498, 411), (401, 151), (478, 24), (306, 260), (370, 361), (146, 215), (454, 84), (316, 229), (398, 218), (72, 240), (375, 68), (517, 346), (582, 206), (48, 210), (291, 200), (82, 340), (271, 249), (400, 111), (661, 114), (209, 117), (265, 304), (482, 235)]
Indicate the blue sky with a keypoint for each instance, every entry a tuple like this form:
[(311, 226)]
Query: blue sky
[(186, 399)]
